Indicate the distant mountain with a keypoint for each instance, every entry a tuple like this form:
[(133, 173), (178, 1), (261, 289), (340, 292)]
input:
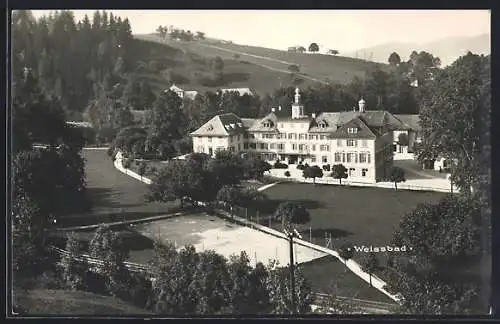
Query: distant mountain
[(448, 49)]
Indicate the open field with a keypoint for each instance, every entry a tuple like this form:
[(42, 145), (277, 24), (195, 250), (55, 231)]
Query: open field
[(44, 302), (206, 232), (184, 62), (359, 215), (260, 68), (115, 196)]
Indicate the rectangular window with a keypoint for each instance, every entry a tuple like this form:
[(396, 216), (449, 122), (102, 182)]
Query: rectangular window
[(295, 136), (231, 148), (363, 172), (355, 157), (272, 146), (362, 157), (352, 130), (338, 157), (322, 137), (324, 159), (364, 143), (290, 135), (311, 137), (339, 143), (219, 148), (245, 135), (294, 146), (262, 146), (351, 142), (394, 148), (313, 147), (343, 157), (239, 147), (313, 159), (230, 139), (302, 137), (200, 148), (245, 146), (210, 140), (349, 156), (351, 172), (253, 146), (281, 146), (368, 157)]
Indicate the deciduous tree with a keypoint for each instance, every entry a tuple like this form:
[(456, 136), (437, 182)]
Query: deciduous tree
[(396, 175), (339, 171), (313, 172), (291, 213)]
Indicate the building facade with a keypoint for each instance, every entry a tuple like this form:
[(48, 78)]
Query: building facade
[(361, 140)]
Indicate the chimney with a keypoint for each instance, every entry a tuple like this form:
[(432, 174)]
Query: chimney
[(361, 104), (273, 109), (313, 115)]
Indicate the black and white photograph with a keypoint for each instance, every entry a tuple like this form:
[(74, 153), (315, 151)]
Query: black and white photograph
[(249, 163)]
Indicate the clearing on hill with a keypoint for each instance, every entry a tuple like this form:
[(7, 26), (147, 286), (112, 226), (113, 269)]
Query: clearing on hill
[(188, 65)]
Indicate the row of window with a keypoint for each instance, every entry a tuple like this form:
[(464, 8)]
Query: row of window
[(300, 147), (363, 157)]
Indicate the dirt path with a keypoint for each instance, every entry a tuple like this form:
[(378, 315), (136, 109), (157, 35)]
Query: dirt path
[(266, 66)]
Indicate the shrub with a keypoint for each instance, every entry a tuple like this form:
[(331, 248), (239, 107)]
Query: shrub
[(300, 167), (126, 163), (326, 167), (279, 165), (306, 166), (153, 169), (137, 162), (287, 174)]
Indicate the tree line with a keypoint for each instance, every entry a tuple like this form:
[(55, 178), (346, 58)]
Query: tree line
[(68, 58)]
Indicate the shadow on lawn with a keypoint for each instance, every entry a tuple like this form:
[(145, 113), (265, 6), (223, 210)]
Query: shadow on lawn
[(319, 233), (270, 206), (131, 239), (109, 217), (106, 198)]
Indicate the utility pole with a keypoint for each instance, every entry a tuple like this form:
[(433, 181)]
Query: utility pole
[(291, 233)]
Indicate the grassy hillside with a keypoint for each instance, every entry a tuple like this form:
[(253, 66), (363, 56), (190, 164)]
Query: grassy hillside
[(259, 68), (72, 303)]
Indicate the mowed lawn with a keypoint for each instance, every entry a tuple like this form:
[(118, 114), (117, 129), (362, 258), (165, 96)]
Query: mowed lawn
[(358, 215), (114, 195)]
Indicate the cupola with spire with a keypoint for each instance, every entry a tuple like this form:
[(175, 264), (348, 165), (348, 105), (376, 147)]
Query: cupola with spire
[(361, 104), (297, 108)]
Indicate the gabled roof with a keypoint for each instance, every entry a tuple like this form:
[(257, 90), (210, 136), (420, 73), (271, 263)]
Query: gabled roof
[(175, 88), (221, 125), (363, 130), (410, 121), (248, 122), (259, 125), (190, 94)]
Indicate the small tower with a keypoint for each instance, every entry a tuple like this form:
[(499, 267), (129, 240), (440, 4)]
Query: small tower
[(361, 104), (297, 108)]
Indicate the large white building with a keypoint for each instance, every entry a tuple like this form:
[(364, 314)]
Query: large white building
[(361, 140)]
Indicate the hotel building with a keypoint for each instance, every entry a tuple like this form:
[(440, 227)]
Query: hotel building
[(361, 140)]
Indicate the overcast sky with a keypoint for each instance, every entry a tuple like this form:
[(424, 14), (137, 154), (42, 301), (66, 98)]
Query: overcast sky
[(344, 30)]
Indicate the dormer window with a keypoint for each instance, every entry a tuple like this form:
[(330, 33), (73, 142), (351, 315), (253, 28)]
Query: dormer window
[(268, 123), (352, 130)]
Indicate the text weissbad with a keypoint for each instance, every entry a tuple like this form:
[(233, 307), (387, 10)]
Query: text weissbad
[(386, 248)]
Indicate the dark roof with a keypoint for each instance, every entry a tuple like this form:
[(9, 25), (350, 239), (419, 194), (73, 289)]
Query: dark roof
[(410, 121), (363, 130)]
